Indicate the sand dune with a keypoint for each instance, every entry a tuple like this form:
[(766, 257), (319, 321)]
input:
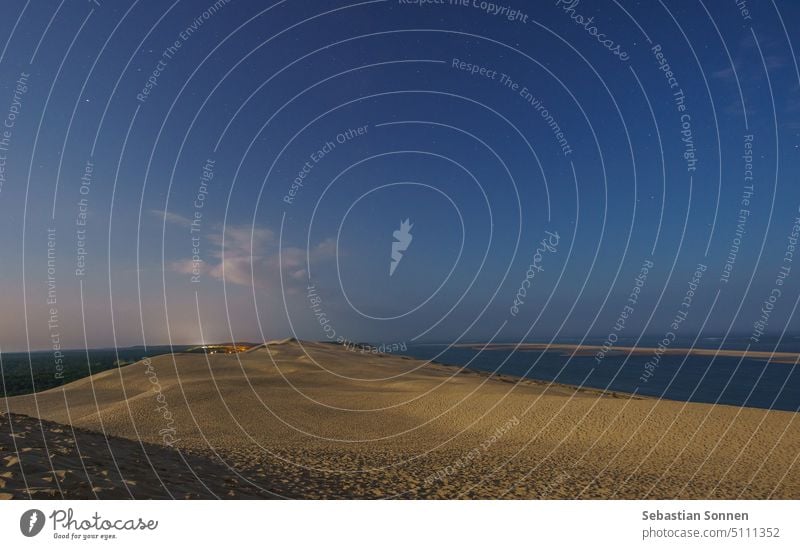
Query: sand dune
[(316, 420)]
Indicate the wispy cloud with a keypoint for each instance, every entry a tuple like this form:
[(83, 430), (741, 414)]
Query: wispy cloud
[(747, 62), (247, 255), (171, 217)]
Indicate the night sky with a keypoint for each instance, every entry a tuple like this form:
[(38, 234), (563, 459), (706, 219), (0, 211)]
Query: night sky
[(208, 171)]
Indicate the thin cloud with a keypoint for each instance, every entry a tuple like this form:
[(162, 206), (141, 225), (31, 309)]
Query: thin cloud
[(246, 256), (171, 218)]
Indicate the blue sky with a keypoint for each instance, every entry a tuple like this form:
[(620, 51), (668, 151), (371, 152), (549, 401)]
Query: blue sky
[(476, 162)]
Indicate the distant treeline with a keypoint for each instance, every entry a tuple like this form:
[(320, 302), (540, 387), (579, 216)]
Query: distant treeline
[(21, 374)]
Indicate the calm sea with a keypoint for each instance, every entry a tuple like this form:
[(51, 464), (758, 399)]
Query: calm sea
[(722, 380)]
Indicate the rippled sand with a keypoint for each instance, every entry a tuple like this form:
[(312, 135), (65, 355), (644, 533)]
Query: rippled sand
[(314, 420)]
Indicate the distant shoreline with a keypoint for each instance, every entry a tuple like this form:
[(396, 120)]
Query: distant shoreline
[(475, 344), (588, 350)]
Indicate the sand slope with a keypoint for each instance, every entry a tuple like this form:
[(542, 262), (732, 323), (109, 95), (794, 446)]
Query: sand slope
[(43, 460), (317, 420)]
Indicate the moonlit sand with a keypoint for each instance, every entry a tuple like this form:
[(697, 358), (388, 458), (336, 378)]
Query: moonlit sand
[(315, 420)]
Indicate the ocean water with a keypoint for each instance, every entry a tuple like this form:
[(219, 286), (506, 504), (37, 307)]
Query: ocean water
[(720, 380)]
